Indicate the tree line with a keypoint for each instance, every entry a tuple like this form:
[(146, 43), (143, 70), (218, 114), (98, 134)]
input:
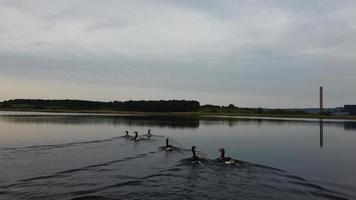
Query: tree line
[(139, 106)]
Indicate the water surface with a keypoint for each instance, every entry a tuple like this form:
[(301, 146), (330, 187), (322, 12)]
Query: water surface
[(81, 156)]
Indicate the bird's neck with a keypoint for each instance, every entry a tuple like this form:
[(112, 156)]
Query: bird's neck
[(222, 155)]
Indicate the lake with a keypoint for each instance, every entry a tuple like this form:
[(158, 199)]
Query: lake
[(83, 156)]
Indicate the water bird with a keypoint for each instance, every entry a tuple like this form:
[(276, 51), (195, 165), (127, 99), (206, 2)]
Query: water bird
[(136, 137), (226, 160), (127, 135), (148, 134), (168, 147), (195, 158)]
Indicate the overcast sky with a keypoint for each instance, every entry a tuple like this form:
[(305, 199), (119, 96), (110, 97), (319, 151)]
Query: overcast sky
[(249, 53)]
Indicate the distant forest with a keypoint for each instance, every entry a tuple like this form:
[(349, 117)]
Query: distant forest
[(137, 106), (240, 110), (80, 105)]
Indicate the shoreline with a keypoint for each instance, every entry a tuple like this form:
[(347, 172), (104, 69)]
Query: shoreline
[(202, 114)]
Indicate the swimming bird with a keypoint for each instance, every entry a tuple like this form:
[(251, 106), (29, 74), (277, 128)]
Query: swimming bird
[(136, 137), (148, 134), (127, 134), (195, 158), (226, 160), (168, 147)]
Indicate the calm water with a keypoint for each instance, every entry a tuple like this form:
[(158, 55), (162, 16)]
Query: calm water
[(66, 156)]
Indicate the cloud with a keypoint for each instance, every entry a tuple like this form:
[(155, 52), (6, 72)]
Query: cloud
[(238, 51)]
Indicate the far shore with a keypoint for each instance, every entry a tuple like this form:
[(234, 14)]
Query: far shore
[(212, 114)]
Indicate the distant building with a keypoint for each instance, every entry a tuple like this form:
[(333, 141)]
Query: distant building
[(340, 113), (351, 109)]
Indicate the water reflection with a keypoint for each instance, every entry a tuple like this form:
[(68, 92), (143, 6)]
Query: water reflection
[(130, 120), (350, 125), (321, 127), (191, 122), (236, 121)]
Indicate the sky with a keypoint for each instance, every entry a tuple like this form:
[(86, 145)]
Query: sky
[(250, 53)]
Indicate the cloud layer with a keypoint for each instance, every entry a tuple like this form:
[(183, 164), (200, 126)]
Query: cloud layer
[(249, 53)]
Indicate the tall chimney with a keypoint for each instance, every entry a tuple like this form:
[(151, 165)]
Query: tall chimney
[(321, 100)]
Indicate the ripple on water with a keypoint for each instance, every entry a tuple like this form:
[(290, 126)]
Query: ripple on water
[(156, 174)]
